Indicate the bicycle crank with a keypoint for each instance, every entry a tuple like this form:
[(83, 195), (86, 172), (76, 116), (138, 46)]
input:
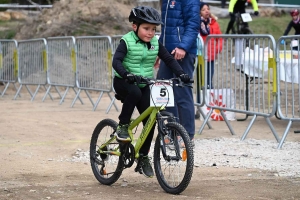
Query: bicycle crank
[(127, 153)]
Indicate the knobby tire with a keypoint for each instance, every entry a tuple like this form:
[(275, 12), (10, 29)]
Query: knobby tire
[(99, 129)]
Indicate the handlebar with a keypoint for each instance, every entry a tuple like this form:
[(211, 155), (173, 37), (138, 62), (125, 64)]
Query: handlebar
[(151, 81)]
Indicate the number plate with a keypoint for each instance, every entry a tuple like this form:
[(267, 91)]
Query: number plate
[(162, 94), (246, 17)]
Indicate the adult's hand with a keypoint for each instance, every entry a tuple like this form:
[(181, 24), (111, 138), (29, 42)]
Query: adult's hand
[(178, 53)]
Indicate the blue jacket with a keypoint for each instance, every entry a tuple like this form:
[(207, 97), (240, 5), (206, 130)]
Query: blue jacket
[(181, 20)]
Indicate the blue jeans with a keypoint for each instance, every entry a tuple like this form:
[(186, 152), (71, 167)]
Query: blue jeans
[(210, 74), (184, 108)]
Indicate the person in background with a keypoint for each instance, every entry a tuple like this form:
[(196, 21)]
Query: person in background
[(135, 56), (179, 35), (239, 6), (223, 2), (209, 25), (294, 23)]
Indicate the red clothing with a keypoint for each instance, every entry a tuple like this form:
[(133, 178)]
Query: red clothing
[(214, 45)]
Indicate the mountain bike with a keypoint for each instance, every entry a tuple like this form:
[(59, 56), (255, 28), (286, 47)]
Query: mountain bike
[(173, 152), (240, 26)]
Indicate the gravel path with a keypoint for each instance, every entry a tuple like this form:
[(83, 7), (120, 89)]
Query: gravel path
[(250, 153), (232, 152)]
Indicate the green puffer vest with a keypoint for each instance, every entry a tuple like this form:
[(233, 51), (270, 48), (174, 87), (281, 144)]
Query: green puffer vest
[(139, 60)]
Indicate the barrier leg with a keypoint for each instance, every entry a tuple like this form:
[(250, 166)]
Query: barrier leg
[(227, 123), (18, 91), (112, 102), (247, 97), (64, 96), (203, 115), (76, 97), (48, 90), (90, 98), (5, 88), (248, 128), (205, 121), (35, 93), (98, 100), (272, 128), (285, 134)]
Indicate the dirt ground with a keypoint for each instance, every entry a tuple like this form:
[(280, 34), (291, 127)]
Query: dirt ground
[(38, 140)]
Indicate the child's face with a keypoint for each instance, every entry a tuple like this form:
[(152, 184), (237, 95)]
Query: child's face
[(146, 31), (205, 12), (295, 17)]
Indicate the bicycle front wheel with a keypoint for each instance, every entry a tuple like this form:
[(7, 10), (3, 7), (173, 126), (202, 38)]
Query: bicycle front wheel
[(107, 168), (247, 31), (175, 169)]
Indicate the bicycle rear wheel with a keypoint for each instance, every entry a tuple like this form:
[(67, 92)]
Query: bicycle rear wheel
[(106, 168), (174, 171)]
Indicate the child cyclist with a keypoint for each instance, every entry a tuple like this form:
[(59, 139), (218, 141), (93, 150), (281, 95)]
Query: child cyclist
[(294, 23), (135, 56)]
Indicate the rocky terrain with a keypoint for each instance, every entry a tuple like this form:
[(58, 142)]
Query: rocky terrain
[(79, 17), (87, 17)]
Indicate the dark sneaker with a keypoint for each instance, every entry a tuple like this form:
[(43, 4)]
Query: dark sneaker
[(146, 167), (122, 133)]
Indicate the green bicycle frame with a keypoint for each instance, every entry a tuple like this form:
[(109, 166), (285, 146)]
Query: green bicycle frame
[(151, 112)]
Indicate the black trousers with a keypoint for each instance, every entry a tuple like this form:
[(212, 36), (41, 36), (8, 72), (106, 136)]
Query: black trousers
[(134, 97), (223, 2)]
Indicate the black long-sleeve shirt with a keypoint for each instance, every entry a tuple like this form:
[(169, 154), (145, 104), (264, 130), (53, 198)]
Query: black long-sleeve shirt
[(294, 25), (163, 54)]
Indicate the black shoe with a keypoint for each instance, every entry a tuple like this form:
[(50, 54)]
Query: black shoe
[(122, 133), (146, 166)]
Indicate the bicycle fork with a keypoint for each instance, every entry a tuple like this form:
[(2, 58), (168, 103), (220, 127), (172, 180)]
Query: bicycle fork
[(163, 131)]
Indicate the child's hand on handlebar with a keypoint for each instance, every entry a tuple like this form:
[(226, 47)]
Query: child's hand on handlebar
[(185, 78), (130, 78)]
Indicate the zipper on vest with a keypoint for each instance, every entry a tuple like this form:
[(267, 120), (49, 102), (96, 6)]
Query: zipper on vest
[(143, 59)]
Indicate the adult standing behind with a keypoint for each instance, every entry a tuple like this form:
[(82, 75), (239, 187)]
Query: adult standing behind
[(239, 6), (179, 35)]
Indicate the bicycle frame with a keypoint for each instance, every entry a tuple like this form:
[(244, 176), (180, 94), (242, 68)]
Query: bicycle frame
[(151, 112)]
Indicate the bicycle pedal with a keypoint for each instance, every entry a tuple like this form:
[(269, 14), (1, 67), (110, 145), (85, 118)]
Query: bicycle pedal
[(139, 169)]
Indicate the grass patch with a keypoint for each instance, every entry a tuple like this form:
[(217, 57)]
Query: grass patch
[(274, 26), (7, 34)]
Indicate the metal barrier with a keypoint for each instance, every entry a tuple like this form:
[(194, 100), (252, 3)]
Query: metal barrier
[(8, 63), (288, 80), (244, 60), (94, 67), (61, 69), (115, 41), (32, 59), (199, 77)]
